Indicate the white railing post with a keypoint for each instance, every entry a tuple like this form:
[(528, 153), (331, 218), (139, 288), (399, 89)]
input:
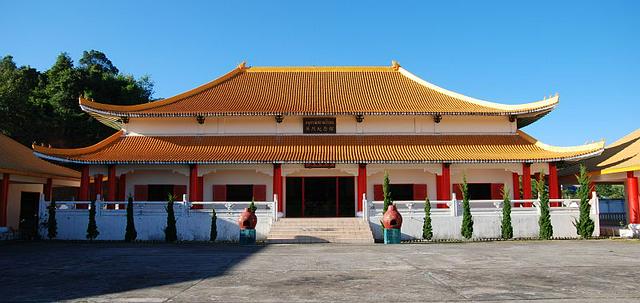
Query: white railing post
[(275, 207), (365, 208), (454, 205)]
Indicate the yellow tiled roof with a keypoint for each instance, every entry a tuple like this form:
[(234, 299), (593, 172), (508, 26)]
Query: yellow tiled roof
[(18, 159), (319, 149), (319, 91), (620, 156)]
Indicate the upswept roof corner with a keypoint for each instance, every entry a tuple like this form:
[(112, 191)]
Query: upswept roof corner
[(305, 90), (120, 149)]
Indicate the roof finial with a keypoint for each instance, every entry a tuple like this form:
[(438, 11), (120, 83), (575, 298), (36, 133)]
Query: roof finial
[(395, 65), (242, 65)]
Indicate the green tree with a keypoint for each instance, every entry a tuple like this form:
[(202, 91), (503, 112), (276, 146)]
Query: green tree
[(506, 229), (467, 220), (170, 231), (43, 106), (252, 206), (213, 234), (427, 230), (584, 225), (544, 222), (130, 234), (386, 191), (92, 227), (52, 224)]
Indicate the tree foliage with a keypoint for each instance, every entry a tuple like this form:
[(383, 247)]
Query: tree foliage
[(52, 224), (213, 233), (584, 225), (506, 229), (43, 106), (130, 234), (386, 191), (467, 220), (427, 229), (92, 227), (170, 231), (544, 221)]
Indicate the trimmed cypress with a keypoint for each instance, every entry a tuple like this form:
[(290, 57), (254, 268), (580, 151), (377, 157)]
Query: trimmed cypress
[(52, 224), (544, 222), (92, 227), (130, 233), (252, 206), (467, 220), (386, 191), (170, 231), (506, 228), (213, 234), (584, 225), (427, 231)]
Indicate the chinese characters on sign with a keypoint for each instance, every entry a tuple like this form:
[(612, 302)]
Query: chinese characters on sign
[(319, 125)]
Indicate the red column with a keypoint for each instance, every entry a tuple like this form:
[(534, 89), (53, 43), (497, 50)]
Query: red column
[(526, 183), (193, 183), (48, 189), (277, 185), (438, 187), (362, 184), (554, 188), (443, 183), (122, 188), (112, 183), (98, 185), (632, 198), (4, 199), (516, 186), (83, 195), (446, 181)]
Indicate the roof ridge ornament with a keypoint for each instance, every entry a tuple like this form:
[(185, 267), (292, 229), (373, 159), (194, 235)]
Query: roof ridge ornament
[(395, 65), (242, 65)]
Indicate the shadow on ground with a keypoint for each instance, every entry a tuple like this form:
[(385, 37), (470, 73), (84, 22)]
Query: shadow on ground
[(55, 271)]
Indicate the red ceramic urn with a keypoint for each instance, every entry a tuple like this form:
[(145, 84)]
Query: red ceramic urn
[(247, 220), (392, 218)]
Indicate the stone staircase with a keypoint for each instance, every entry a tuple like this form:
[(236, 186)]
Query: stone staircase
[(320, 230)]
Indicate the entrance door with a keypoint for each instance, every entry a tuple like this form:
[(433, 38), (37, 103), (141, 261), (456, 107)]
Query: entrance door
[(320, 197), (28, 226)]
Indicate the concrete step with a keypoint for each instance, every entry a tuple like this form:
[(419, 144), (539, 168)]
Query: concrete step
[(320, 230)]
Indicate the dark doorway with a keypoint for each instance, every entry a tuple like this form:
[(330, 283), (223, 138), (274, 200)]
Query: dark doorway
[(320, 197), (28, 226), (479, 191), (160, 192)]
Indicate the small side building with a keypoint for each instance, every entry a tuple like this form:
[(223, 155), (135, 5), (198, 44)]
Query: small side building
[(24, 178)]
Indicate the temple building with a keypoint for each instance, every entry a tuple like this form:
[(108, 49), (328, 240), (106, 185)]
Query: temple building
[(619, 163), (318, 139)]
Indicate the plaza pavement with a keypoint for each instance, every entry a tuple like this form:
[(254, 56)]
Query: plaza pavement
[(556, 271)]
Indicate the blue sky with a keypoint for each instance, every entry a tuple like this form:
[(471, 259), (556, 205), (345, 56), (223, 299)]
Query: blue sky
[(501, 51)]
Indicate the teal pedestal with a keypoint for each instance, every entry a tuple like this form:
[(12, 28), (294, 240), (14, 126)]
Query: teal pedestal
[(247, 236), (392, 236)]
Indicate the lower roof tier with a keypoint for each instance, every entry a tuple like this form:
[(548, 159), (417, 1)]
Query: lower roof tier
[(127, 149)]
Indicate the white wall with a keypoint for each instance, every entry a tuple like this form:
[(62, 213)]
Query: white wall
[(194, 226), (344, 125)]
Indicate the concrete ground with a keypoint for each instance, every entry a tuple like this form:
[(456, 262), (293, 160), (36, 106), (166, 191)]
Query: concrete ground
[(573, 271)]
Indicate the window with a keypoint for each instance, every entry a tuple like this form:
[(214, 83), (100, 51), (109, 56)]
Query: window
[(160, 192), (402, 192), (239, 192), (479, 191)]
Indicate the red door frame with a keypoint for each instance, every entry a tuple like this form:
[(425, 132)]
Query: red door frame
[(337, 178)]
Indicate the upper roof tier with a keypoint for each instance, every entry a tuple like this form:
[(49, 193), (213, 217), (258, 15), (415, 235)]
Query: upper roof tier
[(124, 149), (318, 91)]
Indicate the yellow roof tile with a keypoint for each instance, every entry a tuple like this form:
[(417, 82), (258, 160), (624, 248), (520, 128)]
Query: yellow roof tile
[(18, 159), (319, 149)]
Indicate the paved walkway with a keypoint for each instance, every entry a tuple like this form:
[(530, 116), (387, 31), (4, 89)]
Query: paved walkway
[(574, 271)]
